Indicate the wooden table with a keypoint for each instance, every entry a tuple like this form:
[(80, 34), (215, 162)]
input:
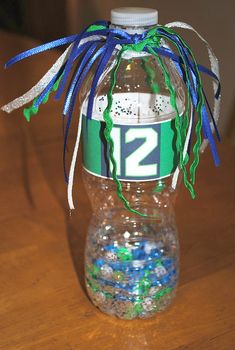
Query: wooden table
[(43, 302)]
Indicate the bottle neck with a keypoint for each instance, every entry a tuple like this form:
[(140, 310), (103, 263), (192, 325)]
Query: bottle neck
[(131, 30)]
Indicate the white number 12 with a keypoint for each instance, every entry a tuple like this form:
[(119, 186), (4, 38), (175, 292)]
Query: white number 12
[(132, 162)]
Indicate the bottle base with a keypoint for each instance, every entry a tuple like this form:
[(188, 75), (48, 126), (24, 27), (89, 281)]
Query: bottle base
[(141, 307)]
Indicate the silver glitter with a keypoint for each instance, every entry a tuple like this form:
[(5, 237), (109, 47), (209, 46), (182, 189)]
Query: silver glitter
[(149, 246), (99, 297), (138, 263), (148, 304), (160, 271), (154, 290), (111, 256), (106, 271)]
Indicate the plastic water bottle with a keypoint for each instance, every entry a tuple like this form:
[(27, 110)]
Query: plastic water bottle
[(132, 262)]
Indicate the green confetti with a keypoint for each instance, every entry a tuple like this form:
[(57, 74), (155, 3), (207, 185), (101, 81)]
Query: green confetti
[(96, 269), (124, 254), (94, 286), (138, 308), (147, 273), (93, 270), (108, 295), (145, 285), (162, 292)]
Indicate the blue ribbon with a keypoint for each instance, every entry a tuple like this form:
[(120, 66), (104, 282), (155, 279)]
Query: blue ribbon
[(193, 88), (101, 49)]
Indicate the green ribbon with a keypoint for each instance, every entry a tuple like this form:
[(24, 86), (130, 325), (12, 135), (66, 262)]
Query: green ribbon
[(152, 40), (32, 110), (181, 122)]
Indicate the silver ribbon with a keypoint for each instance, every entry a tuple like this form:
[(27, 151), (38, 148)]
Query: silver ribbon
[(44, 81), (40, 86), (214, 68)]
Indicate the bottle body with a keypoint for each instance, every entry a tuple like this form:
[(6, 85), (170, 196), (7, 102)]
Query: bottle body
[(131, 261)]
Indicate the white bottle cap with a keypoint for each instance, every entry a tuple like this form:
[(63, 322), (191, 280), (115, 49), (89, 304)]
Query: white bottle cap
[(134, 16)]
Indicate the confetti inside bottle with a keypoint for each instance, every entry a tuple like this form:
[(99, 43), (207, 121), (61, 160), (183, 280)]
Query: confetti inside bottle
[(132, 256)]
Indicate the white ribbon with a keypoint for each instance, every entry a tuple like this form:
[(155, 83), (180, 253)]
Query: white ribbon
[(40, 86), (44, 81), (73, 164), (185, 149), (215, 69)]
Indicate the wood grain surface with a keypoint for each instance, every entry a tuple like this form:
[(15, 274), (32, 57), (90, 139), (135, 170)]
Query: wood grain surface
[(43, 303)]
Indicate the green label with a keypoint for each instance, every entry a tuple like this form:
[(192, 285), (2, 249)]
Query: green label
[(143, 152)]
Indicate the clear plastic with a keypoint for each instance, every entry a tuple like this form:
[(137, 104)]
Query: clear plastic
[(132, 262)]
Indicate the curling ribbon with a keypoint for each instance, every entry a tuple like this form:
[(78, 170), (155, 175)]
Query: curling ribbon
[(97, 43), (215, 70)]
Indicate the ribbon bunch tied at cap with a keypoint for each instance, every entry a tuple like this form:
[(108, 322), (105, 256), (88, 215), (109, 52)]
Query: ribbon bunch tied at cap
[(97, 44)]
